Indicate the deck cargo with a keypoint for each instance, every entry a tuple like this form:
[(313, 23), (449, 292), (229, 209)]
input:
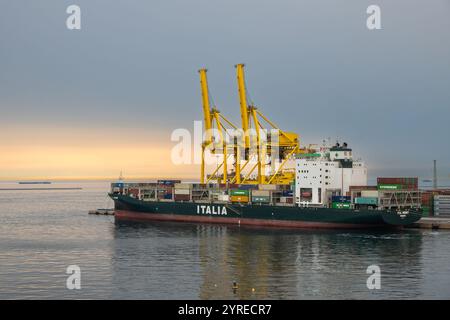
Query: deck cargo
[(366, 200), (182, 191), (235, 198), (239, 192), (261, 199)]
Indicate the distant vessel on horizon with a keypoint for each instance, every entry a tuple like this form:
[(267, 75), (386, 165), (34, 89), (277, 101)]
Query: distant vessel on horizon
[(34, 182)]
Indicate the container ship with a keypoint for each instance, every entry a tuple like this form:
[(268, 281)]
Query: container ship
[(300, 205), (265, 178)]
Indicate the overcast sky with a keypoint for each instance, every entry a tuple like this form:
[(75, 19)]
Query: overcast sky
[(312, 67)]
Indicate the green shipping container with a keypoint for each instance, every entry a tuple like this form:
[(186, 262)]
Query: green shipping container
[(426, 211), (366, 200), (341, 205), (389, 187), (260, 199), (239, 192)]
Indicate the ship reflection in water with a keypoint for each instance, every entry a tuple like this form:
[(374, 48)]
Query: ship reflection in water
[(178, 260)]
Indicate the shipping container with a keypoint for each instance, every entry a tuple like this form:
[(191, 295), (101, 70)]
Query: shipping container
[(341, 205), (426, 211), (441, 205), (268, 187), (182, 191), (239, 198), (168, 182), (217, 192), (248, 186), (352, 188), (262, 193), (119, 185), (390, 187), (223, 197), (134, 191), (261, 199), (369, 193), (405, 182), (183, 185), (286, 199), (239, 192), (340, 199), (367, 200), (182, 197)]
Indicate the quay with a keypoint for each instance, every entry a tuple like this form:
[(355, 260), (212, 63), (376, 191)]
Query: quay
[(431, 223)]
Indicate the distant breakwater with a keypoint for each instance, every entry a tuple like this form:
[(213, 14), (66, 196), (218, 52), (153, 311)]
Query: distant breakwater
[(15, 189)]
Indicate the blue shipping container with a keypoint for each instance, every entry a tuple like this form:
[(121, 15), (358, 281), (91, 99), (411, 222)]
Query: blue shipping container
[(340, 199), (118, 185)]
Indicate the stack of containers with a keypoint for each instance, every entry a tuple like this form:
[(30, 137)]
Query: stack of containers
[(239, 195), (368, 197), (427, 203), (217, 194), (341, 202), (182, 191), (164, 191), (287, 196), (441, 205), (134, 192), (397, 183)]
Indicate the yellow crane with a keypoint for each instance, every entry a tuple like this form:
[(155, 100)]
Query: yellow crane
[(288, 143), (215, 122)]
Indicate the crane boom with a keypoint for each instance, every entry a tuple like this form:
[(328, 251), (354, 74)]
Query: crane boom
[(243, 103), (206, 105)]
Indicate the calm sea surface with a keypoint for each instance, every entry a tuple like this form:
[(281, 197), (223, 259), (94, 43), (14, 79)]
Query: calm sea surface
[(43, 232)]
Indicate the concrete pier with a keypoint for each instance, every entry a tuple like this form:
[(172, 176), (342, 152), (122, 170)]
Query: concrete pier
[(432, 223)]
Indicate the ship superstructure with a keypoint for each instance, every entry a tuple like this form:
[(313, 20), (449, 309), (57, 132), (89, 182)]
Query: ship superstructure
[(326, 173)]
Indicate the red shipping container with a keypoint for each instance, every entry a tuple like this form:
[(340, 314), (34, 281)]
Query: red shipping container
[(363, 188), (182, 197)]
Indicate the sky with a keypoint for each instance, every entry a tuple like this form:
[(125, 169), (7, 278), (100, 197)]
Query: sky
[(89, 103)]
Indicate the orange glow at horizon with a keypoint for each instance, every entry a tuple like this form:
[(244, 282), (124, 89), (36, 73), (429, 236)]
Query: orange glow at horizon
[(64, 154)]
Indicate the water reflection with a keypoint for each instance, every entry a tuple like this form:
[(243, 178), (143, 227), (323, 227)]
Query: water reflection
[(202, 261)]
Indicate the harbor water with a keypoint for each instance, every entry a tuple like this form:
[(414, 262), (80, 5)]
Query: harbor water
[(43, 232)]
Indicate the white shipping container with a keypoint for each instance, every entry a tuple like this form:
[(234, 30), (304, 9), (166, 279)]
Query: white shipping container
[(441, 197), (261, 193), (283, 199), (267, 187), (183, 185), (223, 197), (182, 191), (439, 212), (441, 204), (369, 193)]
